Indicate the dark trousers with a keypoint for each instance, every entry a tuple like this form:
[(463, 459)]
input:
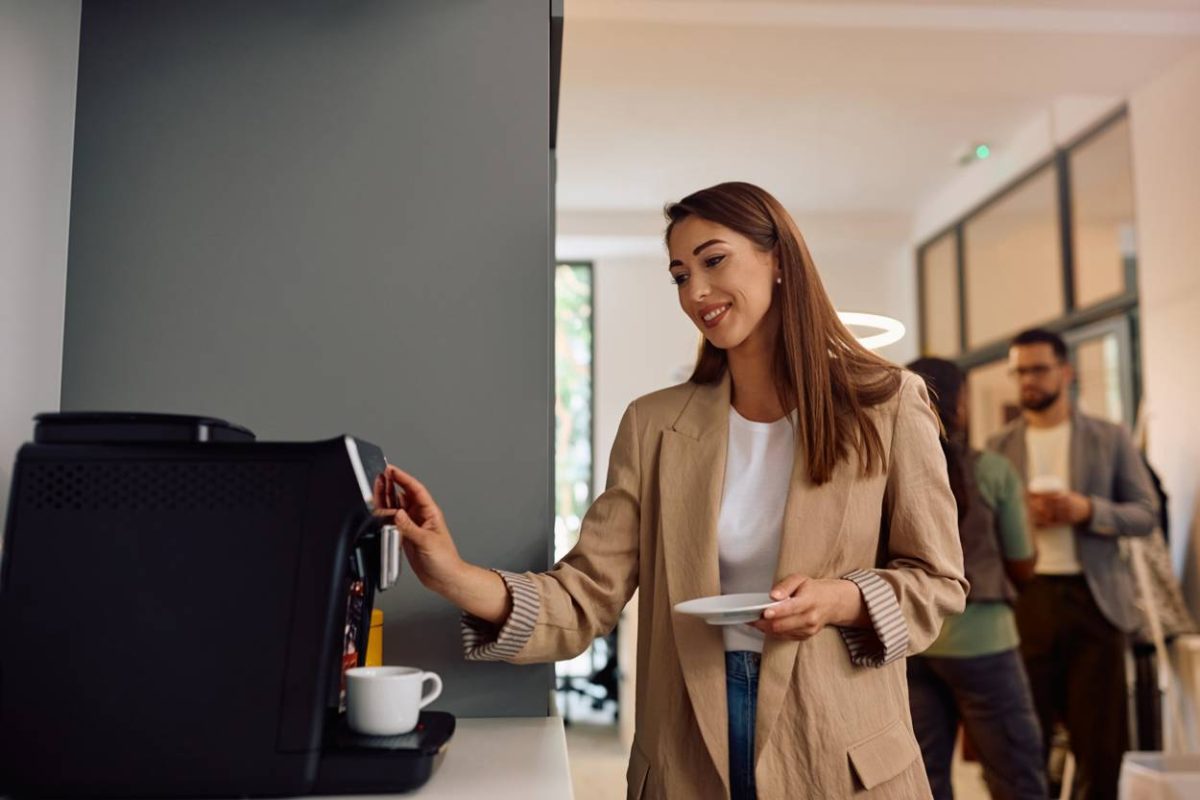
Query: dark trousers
[(990, 694), (1075, 659)]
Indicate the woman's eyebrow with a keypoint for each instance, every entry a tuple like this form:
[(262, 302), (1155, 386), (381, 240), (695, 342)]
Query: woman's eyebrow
[(696, 252), (709, 243)]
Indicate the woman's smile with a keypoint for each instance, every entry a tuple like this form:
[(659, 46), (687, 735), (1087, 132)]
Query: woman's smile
[(712, 315)]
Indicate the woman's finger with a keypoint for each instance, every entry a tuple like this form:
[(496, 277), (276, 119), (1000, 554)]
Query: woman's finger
[(409, 484), (787, 608), (790, 627), (794, 623), (416, 496), (411, 531), (788, 586), (802, 624), (386, 497)]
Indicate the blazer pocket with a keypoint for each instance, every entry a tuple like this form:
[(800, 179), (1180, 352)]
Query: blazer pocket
[(883, 755), (635, 776)]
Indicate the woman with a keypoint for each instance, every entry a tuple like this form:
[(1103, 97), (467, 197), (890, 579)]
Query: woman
[(848, 520), (973, 670)]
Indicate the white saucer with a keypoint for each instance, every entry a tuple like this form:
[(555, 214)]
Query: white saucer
[(727, 609)]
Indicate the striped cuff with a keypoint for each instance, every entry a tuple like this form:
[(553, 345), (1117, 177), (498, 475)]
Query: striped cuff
[(887, 638), (483, 641)]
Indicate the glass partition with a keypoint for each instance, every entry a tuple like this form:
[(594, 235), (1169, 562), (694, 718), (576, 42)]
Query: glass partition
[(1104, 369), (939, 297), (1102, 234), (1013, 257), (1056, 248), (993, 400)]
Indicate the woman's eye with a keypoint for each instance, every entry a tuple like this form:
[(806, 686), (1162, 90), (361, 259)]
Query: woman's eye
[(712, 262), (679, 279)]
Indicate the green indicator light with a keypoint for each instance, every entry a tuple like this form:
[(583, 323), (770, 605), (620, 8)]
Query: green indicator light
[(982, 151)]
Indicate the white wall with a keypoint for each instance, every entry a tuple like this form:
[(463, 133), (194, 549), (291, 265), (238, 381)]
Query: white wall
[(1165, 122), (39, 56), (643, 341)]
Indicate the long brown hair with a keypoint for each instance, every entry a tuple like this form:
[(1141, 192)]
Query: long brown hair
[(820, 368), (945, 382)]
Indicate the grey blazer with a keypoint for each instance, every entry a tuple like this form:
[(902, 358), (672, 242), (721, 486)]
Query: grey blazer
[(1106, 467)]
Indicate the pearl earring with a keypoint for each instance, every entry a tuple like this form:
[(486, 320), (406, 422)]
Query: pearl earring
[(779, 280)]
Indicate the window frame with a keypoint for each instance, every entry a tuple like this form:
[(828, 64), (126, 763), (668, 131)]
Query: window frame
[(1073, 316)]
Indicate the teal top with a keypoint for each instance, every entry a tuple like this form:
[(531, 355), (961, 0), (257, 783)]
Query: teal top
[(991, 627)]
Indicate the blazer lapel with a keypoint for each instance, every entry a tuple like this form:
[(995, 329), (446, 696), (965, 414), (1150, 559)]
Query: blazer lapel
[(813, 520), (1081, 447), (1014, 449), (691, 480)]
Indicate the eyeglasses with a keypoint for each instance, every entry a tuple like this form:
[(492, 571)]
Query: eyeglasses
[(1035, 371)]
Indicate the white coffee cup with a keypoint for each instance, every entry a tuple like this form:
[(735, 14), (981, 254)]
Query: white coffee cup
[(386, 701), (1047, 484)]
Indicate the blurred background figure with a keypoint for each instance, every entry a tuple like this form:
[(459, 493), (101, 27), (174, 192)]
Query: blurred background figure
[(973, 674), (1087, 486)]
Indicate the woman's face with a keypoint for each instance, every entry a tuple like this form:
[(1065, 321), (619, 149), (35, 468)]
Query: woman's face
[(725, 283)]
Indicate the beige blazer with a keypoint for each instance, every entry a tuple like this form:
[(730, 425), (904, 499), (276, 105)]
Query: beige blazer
[(826, 727)]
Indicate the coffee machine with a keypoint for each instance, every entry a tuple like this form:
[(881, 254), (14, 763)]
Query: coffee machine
[(178, 604)]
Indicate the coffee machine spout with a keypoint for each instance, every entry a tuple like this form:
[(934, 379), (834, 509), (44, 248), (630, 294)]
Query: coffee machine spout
[(389, 556)]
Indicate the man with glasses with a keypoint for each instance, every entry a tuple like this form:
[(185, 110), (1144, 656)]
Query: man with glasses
[(1086, 487)]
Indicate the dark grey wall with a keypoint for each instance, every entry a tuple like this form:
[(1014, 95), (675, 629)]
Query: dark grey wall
[(326, 216)]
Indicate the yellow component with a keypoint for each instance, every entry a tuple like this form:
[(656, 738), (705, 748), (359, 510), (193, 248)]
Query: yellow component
[(375, 639)]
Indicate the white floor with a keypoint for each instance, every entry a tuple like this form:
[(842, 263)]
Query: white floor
[(598, 766), (597, 761)]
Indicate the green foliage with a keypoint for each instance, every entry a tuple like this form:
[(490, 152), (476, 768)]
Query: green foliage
[(572, 401)]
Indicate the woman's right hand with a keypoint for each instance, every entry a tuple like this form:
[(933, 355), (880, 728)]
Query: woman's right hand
[(426, 539)]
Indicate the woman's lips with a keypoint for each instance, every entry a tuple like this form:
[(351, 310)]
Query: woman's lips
[(715, 321)]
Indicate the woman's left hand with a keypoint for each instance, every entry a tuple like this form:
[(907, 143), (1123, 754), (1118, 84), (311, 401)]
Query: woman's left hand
[(810, 604)]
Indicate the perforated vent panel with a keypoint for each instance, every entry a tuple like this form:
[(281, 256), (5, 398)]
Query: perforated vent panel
[(155, 485)]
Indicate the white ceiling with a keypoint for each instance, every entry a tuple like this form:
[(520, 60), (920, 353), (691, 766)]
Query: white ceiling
[(853, 114), (848, 108)]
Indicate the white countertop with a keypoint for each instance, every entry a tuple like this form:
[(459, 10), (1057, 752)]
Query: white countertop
[(520, 758), (515, 758)]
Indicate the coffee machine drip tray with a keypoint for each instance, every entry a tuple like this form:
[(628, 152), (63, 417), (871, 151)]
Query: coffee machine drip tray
[(352, 763)]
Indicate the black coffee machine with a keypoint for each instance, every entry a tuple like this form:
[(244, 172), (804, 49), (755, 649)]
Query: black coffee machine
[(178, 603)]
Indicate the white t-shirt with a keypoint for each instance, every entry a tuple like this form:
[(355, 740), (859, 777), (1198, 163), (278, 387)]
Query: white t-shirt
[(758, 471), (1048, 451)]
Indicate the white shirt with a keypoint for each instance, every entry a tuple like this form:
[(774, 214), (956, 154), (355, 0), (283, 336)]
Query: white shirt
[(1048, 451), (758, 472)]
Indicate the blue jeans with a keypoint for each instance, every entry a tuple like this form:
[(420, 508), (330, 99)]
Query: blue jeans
[(741, 692), (990, 694)]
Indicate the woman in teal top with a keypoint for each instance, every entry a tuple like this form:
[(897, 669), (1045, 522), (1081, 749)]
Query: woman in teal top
[(987, 627), (973, 673)]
